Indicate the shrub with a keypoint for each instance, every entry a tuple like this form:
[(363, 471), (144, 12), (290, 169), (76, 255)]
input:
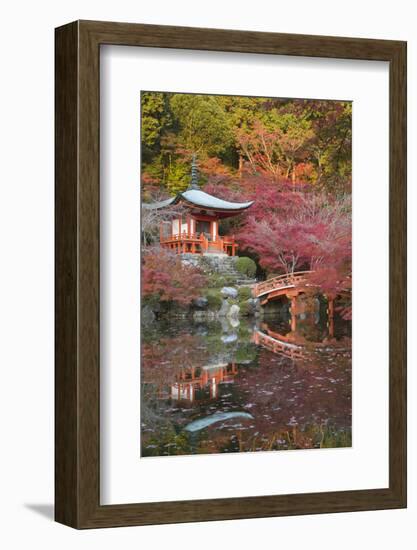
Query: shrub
[(244, 293), (217, 281), (244, 308), (245, 353), (246, 266), (230, 280), (166, 279), (214, 299)]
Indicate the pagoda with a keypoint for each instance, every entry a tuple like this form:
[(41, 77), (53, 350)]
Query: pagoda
[(196, 229)]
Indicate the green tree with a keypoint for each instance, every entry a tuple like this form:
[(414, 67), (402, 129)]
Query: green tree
[(155, 120), (202, 125), (331, 148), (306, 141)]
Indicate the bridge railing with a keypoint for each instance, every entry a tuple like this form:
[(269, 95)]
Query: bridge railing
[(288, 280), (296, 350)]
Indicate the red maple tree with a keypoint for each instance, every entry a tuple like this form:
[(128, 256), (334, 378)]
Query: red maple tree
[(167, 278)]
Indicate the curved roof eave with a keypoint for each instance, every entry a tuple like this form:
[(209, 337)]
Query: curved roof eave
[(204, 200), (201, 199), (160, 204)]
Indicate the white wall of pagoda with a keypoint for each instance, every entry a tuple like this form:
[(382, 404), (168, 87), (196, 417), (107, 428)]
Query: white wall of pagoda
[(175, 227), (215, 232)]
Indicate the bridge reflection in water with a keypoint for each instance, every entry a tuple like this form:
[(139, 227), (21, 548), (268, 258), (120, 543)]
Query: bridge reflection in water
[(296, 346), (278, 385)]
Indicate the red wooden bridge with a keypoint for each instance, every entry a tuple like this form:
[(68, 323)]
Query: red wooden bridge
[(288, 284), (296, 347), (292, 345)]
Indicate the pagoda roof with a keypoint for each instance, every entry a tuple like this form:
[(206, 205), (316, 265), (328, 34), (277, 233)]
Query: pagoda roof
[(201, 199)]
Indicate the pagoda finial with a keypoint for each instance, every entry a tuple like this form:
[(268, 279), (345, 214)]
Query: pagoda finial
[(194, 175)]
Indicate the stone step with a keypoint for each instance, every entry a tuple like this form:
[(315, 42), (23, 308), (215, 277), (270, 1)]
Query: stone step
[(222, 265)]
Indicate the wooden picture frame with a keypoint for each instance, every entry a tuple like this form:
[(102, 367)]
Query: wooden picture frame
[(77, 405)]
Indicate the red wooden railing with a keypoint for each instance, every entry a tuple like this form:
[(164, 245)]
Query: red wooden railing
[(276, 346), (289, 280), (278, 343), (195, 243)]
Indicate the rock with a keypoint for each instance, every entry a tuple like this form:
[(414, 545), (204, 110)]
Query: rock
[(147, 315), (201, 315), (228, 338), (178, 314), (229, 292), (224, 324), (200, 302), (233, 312), (156, 307), (253, 306), (223, 311), (190, 260), (201, 330), (234, 323)]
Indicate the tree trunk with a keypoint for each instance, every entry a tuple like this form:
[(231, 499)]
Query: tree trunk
[(240, 170)]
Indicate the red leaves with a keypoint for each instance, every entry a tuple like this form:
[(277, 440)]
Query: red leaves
[(276, 152), (214, 169), (293, 231), (167, 278)]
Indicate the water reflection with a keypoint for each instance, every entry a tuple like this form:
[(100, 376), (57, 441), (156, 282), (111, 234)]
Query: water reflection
[(195, 385), (275, 385)]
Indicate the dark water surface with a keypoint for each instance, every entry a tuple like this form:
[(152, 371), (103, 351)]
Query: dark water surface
[(270, 385)]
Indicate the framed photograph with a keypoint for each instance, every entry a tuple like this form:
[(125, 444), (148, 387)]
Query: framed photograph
[(230, 274)]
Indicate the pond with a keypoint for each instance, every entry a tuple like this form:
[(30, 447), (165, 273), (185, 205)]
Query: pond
[(276, 384)]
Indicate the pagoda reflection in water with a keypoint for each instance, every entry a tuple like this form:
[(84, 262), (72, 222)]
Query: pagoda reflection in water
[(290, 389), (198, 384)]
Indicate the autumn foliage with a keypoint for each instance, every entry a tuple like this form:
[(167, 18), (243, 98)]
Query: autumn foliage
[(288, 231), (167, 279), (303, 141), (300, 231), (291, 157)]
